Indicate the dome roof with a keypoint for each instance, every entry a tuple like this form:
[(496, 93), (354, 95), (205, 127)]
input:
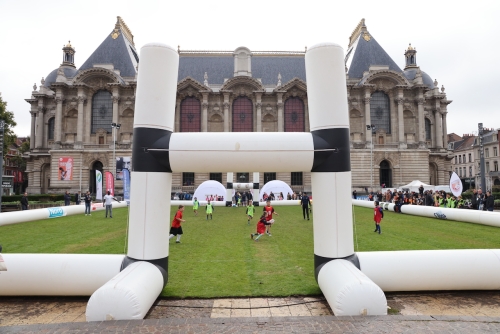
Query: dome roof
[(426, 78), (69, 72)]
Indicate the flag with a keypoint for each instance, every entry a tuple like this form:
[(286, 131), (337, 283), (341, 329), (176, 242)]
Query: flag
[(126, 185), (98, 185), (456, 184), (110, 183)]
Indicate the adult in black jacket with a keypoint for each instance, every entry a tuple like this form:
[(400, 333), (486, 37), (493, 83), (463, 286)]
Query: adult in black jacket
[(305, 205), (24, 202), (473, 200), (67, 198), (490, 201)]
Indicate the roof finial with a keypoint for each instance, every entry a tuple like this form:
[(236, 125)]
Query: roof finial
[(279, 80), (205, 82)]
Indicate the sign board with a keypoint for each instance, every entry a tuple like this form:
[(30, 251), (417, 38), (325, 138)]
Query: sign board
[(6, 182)]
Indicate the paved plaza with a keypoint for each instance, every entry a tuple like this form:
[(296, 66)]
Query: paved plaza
[(440, 312)]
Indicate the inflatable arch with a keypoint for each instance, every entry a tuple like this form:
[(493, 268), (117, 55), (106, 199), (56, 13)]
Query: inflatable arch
[(125, 287)]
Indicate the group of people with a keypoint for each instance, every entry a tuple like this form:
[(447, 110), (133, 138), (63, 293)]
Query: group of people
[(243, 198), (479, 201)]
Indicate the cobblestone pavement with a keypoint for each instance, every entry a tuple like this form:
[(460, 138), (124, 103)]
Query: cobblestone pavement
[(321, 324), (470, 312)]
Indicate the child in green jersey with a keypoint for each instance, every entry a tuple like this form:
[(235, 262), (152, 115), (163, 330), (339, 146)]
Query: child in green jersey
[(209, 209), (250, 211), (196, 205)]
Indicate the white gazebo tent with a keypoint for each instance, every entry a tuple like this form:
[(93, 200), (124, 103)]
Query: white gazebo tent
[(209, 188), (414, 185), (275, 186)]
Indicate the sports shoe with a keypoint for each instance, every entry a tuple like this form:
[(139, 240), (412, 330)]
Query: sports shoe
[(269, 234), (177, 242), (251, 236), (375, 231)]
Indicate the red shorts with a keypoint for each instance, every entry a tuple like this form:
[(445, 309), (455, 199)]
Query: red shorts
[(261, 228)]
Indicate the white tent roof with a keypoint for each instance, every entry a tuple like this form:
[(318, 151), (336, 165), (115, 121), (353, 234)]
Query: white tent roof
[(415, 183), (276, 187), (208, 188)]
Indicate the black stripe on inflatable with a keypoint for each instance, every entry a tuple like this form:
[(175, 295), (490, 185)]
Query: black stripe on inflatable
[(229, 185), (229, 203), (255, 203), (320, 261), (331, 150), (256, 185), (161, 264), (151, 161)]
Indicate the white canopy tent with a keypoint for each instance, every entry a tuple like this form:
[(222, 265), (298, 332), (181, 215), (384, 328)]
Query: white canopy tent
[(275, 187), (414, 185), (209, 188)]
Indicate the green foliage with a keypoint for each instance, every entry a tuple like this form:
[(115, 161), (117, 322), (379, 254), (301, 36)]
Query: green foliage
[(8, 118), (217, 258)]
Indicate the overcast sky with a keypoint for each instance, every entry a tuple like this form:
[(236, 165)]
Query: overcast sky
[(457, 43)]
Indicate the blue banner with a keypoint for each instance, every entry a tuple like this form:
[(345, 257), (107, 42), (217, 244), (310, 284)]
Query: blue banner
[(126, 185)]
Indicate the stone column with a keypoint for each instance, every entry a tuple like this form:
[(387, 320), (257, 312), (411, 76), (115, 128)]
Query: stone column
[(58, 121), (401, 123), (258, 105), (116, 99), (32, 134), (87, 119), (281, 116), (204, 113), (177, 116), (39, 128), (368, 120), (79, 124), (421, 120), (445, 130), (438, 128), (226, 112)]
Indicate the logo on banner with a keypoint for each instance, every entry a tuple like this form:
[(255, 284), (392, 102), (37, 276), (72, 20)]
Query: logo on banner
[(98, 185), (55, 212), (440, 215)]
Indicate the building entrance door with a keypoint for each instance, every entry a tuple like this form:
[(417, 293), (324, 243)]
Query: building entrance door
[(385, 174)]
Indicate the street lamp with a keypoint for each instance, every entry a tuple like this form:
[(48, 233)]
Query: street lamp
[(371, 127), (114, 127)]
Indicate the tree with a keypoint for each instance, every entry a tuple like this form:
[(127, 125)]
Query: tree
[(9, 124)]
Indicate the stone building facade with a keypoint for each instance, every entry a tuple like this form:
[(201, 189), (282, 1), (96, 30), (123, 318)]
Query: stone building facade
[(397, 117)]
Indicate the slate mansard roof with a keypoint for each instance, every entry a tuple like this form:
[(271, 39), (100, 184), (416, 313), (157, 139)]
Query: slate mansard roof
[(265, 68)]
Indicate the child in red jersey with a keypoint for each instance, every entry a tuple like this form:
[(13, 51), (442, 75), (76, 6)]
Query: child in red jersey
[(176, 229), (377, 217), (261, 228), (269, 211)]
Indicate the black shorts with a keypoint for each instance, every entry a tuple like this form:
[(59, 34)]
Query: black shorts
[(176, 230)]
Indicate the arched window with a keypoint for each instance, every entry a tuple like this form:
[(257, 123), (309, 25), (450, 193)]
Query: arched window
[(242, 115), (294, 115), (380, 112), (385, 174), (102, 111), (190, 115), (427, 129), (50, 131)]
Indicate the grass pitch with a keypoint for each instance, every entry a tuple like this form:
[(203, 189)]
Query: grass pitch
[(217, 258)]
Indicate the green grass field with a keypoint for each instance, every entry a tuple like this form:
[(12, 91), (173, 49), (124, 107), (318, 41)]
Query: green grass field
[(217, 258)]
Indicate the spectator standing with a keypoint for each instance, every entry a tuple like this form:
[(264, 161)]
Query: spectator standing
[(67, 198), (354, 194), (88, 200), (490, 201), (421, 189), (78, 198), (480, 200), (24, 202), (305, 205), (473, 200)]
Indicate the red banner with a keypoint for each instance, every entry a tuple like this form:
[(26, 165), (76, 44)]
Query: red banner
[(65, 172), (110, 183)]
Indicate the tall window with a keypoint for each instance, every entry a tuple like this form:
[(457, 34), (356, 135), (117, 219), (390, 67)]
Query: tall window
[(495, 166), (495, 151), (455, 159), (50, 132), (216, 177), (459, 159), (102, 111), (190, 115), (187, 179), (428, 129), (463, 159), (470, 171), (487, 167), (487, 153), (269, 177), (470, 157), (380, 111), (294, 115), (242, 115), (460, 170), (296, 179)]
